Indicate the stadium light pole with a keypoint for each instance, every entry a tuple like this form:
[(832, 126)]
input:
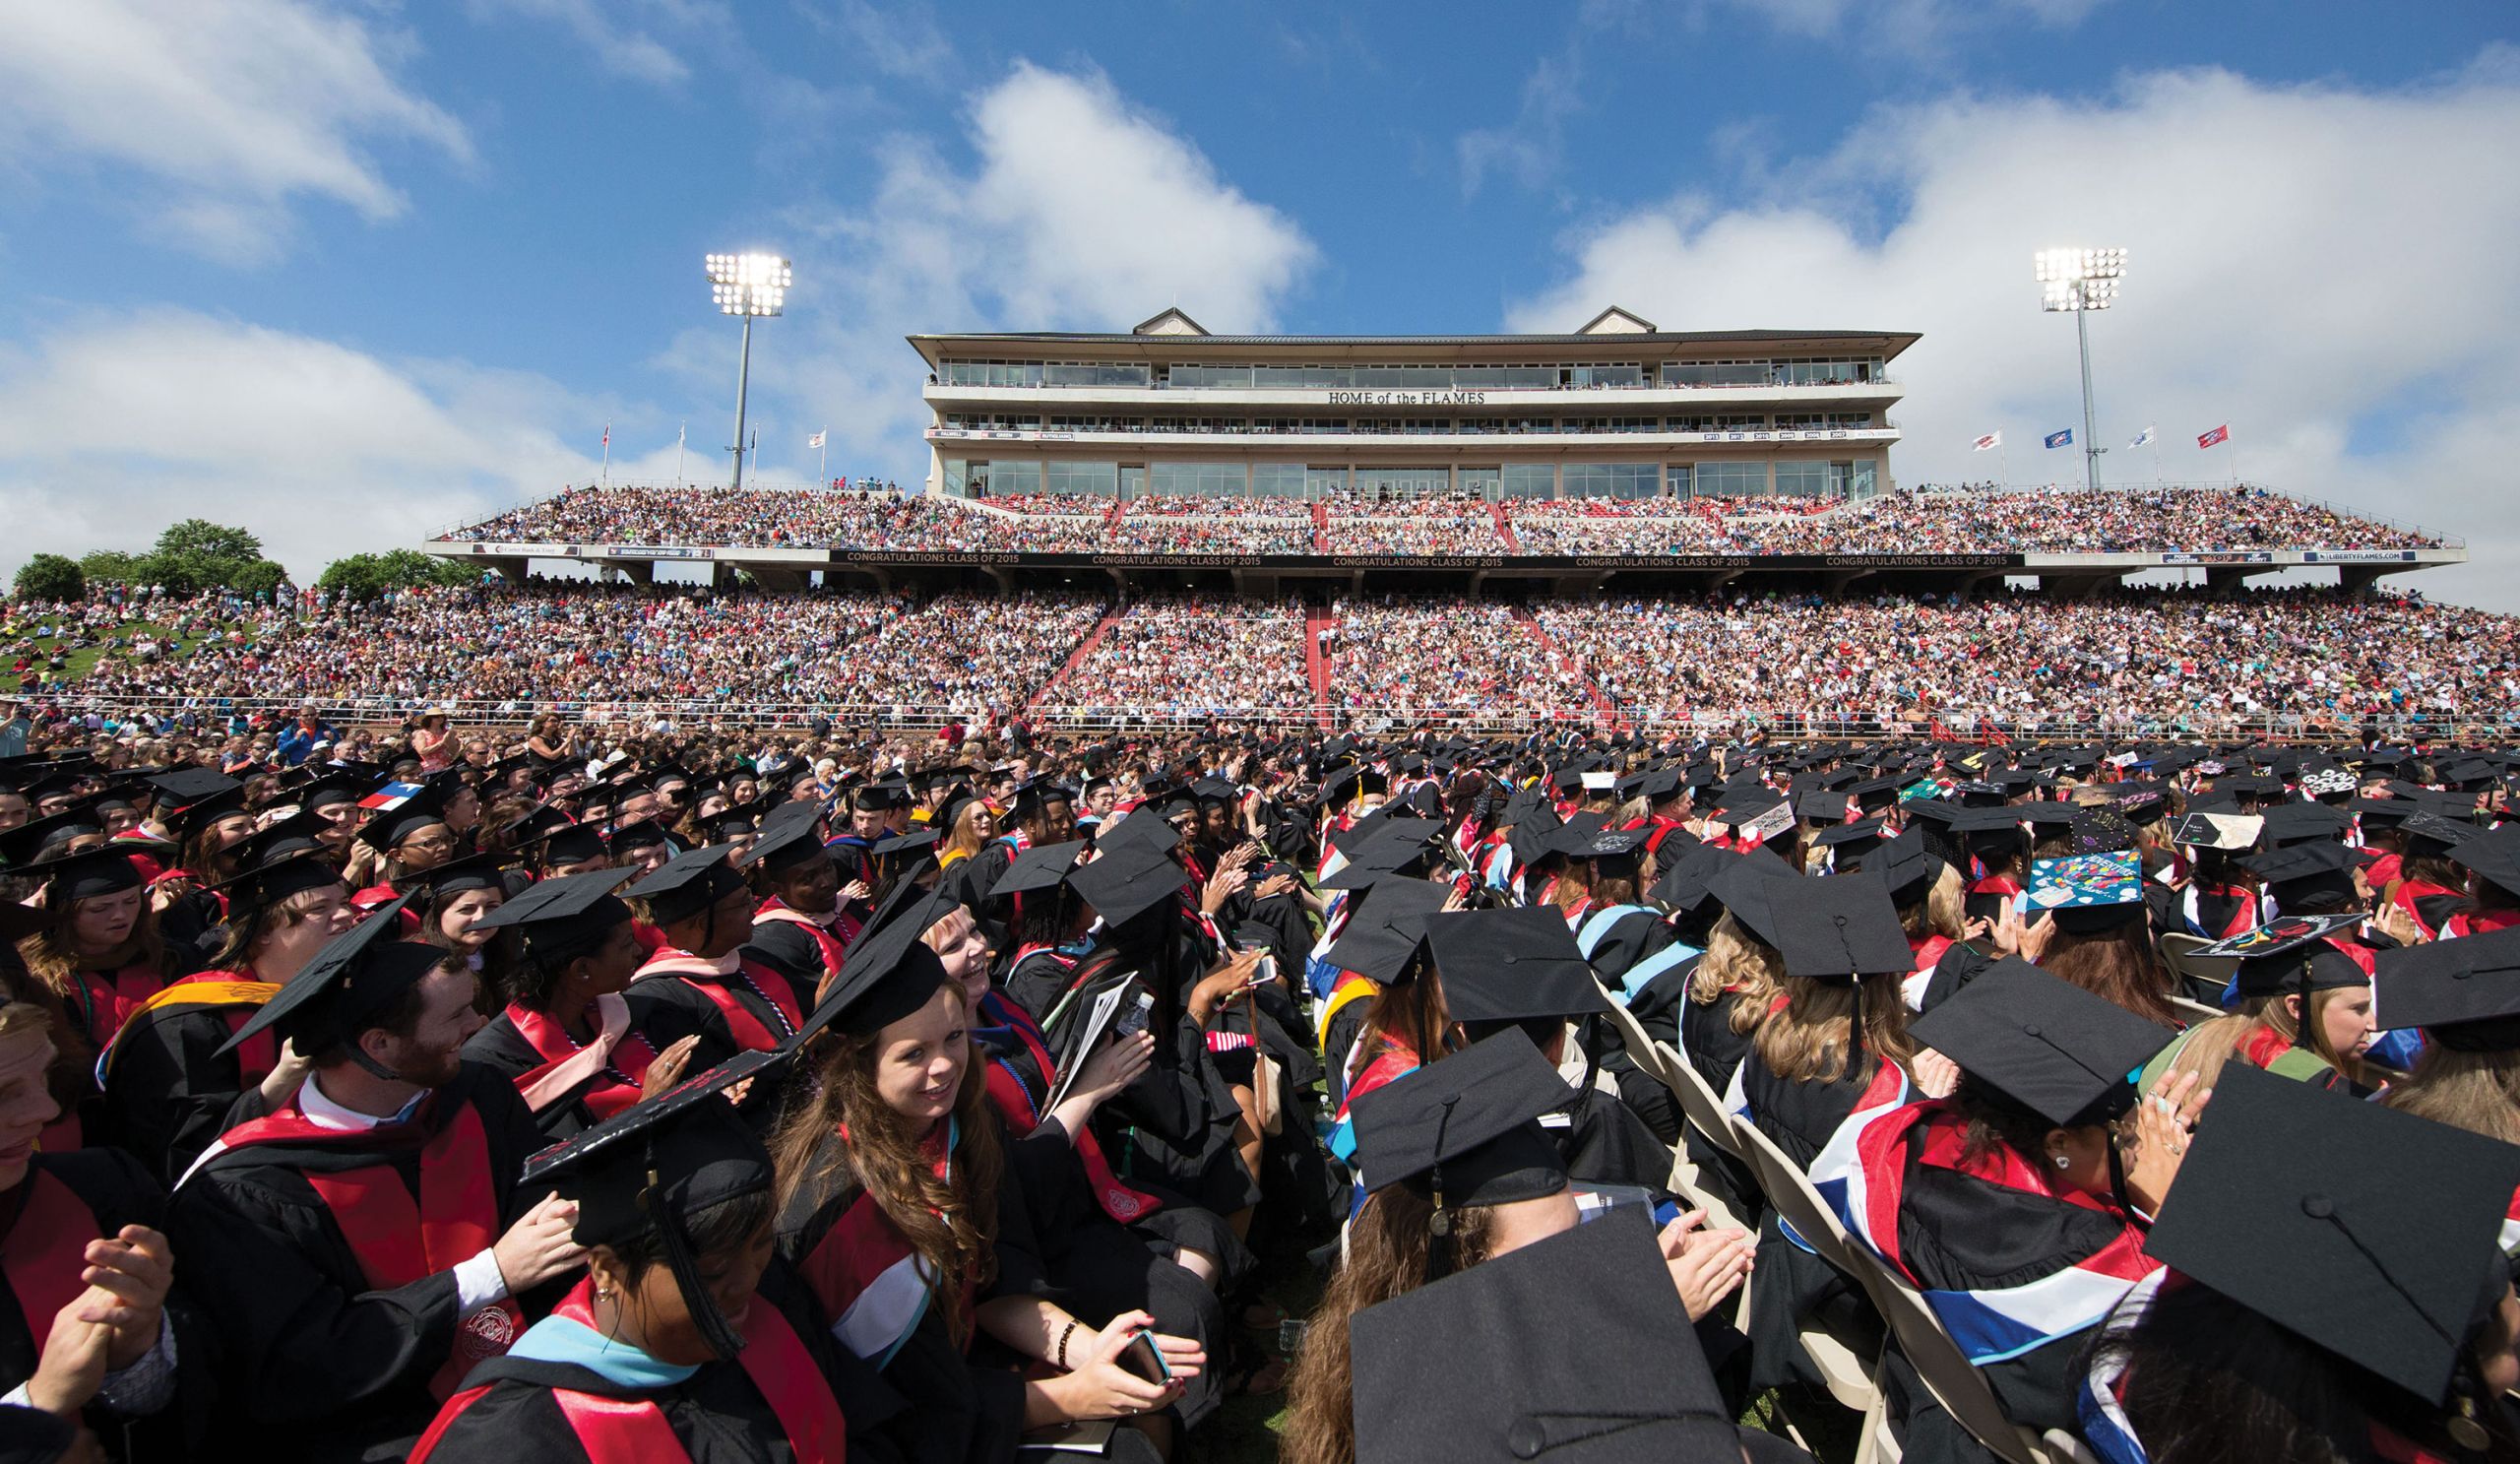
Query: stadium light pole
[(753, 286), (2082, 280)]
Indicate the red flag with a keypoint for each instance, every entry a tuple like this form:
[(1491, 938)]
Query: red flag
[(607, 434), (2221, 433)]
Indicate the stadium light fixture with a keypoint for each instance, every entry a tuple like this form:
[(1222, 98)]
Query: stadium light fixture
[(752, 287), (2081, 280)]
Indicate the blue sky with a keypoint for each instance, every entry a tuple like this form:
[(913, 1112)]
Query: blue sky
[(413, 257)]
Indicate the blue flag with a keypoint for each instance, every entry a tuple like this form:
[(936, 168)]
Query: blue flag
[(2064, 438)]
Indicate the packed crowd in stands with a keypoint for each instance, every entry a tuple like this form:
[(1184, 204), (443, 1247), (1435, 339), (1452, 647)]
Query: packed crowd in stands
[(1404, 659), (1192, 657), (2050, 521)]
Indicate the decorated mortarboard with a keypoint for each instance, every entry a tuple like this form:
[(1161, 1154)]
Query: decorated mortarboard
[(2044, 1043), (391, 826), (686, 884), (1510, 964), (1465, 1129), (1041, 867), (653, 1168), (355, 976), (1839, 930), (2233, 831), (1385, 921), (2429, 833), (1123, 885), (2086, 881), (889, 972), (1606, 1368), (2329, 782), (2372, 1234)]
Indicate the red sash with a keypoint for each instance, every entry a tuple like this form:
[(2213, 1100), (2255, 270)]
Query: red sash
[(751, 1034), (106, 999), (1929, 953), (2479, 922), (629, 1058), (1118, 1200), (635, 1430), (398, 1241), (45, 1251), (834, 946)]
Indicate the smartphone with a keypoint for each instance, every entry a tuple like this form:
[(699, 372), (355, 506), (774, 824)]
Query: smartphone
[(1143, 1358), (1134, 1020)]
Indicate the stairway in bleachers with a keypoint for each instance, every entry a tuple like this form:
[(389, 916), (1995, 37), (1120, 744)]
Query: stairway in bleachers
[(1320, 528), (1505, 528), (1317, 620)]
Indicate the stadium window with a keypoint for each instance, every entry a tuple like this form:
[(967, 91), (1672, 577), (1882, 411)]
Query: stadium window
[(1800, 479), (1732, 479), (1325, 481), (1007, 480), (1103, 479), (1276, 480), (1675, 481), (1530, 481), (958, 477), (1132, 479), (1213, 480), (1486, 482)]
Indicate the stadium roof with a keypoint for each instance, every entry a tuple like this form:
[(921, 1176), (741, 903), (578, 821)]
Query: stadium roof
[(1169, 342)]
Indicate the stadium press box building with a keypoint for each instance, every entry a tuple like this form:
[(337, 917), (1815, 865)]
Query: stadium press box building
[(1621, 409)]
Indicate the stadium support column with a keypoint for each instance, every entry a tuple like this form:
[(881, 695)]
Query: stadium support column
[(743, 380), (2091, 433)]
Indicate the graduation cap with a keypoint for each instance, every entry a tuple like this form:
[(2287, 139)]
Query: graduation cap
[(185, 787), (563, 919), (1987, 822), (2372, 1234), (2292, 955), (2299, 872), (481, 871), (573, 843), (1850, 840), (889, 972), (357, 974), (790, 844), (2465, 994), (270, 881), (1042, 867), (2299, 823), (909, 843), (2088, 892), (686, 884), (1749, 889), (299, 833), (655, 1166), (1604, 1367), (85, 875), (2217, 830), (1841, 929), (41, 837), (1906, 867), (1465, 1129), (2494, 855), (1384, 923), (2428, 834), (396, 824), (2044, 1043), (1123, 885), (1510, 964)]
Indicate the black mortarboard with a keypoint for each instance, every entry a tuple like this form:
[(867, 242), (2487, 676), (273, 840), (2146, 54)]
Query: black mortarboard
[(2044, 1043), (2373, 1234), (1384, 923), (560, 918), (2465, 994), (888, 974), (299, 833), (2494, 855), (1840, 928), (2295, 823), (1906, 867), (1682, 880), (1041, 867), (1851, 840), (909, 843), (1510, 964), (2428, 834), (785, 847), (1143, 830), (185, 787), (1749, 889), (91, 872), (574, 844), (193, 817), (650, 1168), (268, 882), (357, 974), (332, 788), (686, 884), (1605, 1369), (1466, 1128), (38, 838), (1987, 822), (2211, 830), (2296, 871), (1124, 885), (638, 834)]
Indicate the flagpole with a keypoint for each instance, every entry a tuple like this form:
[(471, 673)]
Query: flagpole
[(823, 472), (2003, 464), (607, 454), (681, 434)]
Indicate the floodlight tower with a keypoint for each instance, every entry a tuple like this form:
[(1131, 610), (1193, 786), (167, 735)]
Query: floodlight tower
[(751, 286), (2082, 280)]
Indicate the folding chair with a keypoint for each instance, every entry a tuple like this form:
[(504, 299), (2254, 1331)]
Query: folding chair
[(1853, 1381), (1657, 1060), (1949, 1376), (2201, 981)]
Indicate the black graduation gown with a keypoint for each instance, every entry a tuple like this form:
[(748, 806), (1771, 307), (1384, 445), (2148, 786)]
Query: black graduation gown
[(784, 947), (1960, 1233), (191, 925), (309, 1348), (170, 1090), (958, 1410), (1632, 940), (117, 1191), (1104, 1267), (718, 1413), (503, 1049), (1960, 964), (1037, 981), (1793, 1284), (675, 1008)]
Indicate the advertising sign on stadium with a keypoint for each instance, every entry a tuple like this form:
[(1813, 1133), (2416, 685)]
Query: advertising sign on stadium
[(656, 551), (2357, 557), (1532, 563), (2219, 556)]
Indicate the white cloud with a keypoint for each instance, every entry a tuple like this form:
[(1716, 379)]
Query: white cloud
[(902, 43), (2313, 265), (617, 35), (1529, 149), (115, 427), (1076, 210), (233, 108), (1917, 29)]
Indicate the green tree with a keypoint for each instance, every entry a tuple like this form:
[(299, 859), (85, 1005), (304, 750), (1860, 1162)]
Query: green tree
[(52, 577), (112, 567), (176, 574), (258, 577), (203, 539), (367, 576)]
